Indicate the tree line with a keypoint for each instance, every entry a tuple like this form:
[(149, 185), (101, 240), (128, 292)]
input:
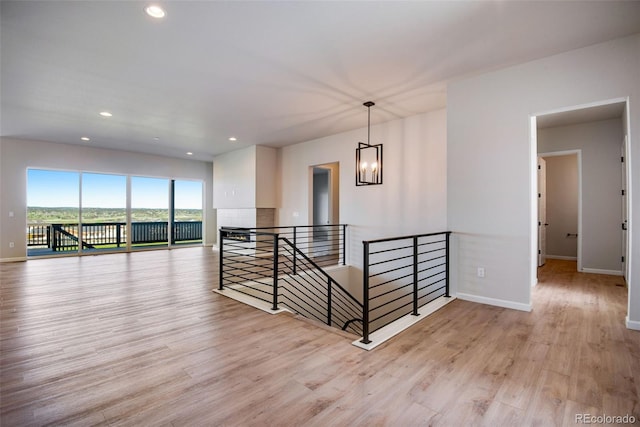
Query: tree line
[(37, 214)]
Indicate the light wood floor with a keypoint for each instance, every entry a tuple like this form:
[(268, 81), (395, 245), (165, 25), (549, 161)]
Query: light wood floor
[(139, 339)]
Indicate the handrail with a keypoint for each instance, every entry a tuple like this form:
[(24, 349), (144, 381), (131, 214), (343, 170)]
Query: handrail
[(312, 262), (336, 305), (285, 226), (410, 236), (397, 293), (58, 228)]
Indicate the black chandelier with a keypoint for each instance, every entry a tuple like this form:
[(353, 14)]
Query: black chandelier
[(368, 157)]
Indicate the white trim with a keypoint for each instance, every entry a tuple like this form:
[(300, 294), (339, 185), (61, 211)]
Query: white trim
[(494, 301), (16, 259), (533, 142), (566, 258), (394, 328), (533, 202), (249, 300), (582, 106), (601, 271), (633, 324)]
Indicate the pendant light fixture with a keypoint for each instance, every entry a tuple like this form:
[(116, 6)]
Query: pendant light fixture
[(368, 157)]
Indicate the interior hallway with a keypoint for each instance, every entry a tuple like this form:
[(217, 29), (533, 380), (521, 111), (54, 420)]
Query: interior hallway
[(140, 339)]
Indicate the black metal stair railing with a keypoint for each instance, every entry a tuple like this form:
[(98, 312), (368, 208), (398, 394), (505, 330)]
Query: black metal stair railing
[(269, 266), (402, 274), (332, 304)]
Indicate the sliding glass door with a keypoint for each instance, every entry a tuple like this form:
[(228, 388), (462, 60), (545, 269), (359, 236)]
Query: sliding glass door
[(104, 212), (187, 212), (71, 212), (52, 212), (149, 212)]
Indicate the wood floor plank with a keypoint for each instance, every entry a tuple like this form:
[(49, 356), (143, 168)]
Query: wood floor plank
[(140, 339)]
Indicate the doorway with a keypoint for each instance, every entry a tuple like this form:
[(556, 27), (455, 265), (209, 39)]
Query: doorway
[(325, 205), (560, 206), (607, 241)]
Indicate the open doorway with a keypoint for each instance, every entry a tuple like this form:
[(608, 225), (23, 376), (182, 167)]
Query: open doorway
[(324, 204), (560, 206), (595, 134)]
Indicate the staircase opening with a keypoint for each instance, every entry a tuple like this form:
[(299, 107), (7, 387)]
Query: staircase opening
[(282, 269)]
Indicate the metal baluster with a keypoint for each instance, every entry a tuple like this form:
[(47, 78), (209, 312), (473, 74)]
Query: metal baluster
[(415, 276), (365, 294), (295, 255), (446, 267), (275, 272), (344, 244), (221, 258), (329, 302)]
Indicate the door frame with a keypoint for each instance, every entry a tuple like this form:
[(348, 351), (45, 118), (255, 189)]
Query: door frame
[(533, 169), (578, 154), (334, 190), (626, 185)]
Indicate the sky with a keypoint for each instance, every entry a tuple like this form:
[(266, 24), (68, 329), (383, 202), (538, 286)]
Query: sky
[(46, 188)]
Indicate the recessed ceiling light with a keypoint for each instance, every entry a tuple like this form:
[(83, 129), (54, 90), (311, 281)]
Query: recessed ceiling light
[(233, 139), (189, 153), (105, 114), (155, 11), (85, 138), (155, 138)]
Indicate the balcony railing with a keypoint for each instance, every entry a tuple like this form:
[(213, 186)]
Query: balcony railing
[(109, 235)]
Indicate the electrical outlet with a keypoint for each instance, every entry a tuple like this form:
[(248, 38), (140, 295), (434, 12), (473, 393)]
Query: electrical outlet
[(480, 272), (11, 244)]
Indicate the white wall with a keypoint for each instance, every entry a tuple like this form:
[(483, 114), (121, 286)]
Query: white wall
[(18, 155), (412, 199), (562, 206), (266, 164), (600, 144), (234, 179), (491, 163), (245, 178)]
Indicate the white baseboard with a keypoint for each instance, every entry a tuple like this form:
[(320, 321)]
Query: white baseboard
[(601, 271), (494, 301), (633, 324), (567, 258), (249, 300), (17, 259)]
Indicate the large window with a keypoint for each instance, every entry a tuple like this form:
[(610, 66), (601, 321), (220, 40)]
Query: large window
[(149, 212), (104, 212), (71, 212), (187, 213), (52, 211)]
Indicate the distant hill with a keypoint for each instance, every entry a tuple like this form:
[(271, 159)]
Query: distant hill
[(42, 215)]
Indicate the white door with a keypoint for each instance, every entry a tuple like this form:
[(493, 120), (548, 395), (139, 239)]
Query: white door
[(625, 182), (542, 211)]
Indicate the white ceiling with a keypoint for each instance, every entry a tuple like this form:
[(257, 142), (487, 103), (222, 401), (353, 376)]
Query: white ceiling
[(271, 73)]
